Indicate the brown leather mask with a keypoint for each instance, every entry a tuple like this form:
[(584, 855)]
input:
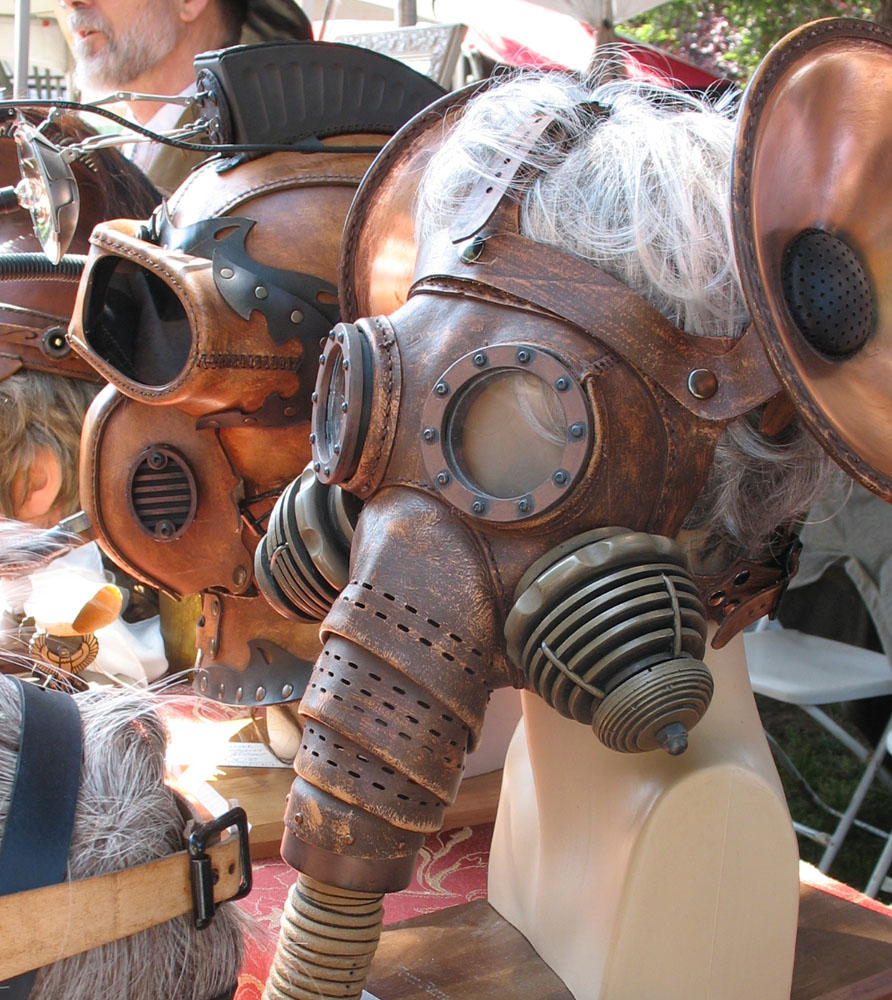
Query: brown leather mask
[(528, 435), (207, 322)]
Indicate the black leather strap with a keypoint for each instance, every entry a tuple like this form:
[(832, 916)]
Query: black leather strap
[(37, 838)]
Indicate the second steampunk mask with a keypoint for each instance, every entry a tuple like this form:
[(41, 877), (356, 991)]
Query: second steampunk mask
[(207, 322)]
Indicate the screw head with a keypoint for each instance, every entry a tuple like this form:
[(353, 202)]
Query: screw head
[(560, 478), (260, 292), (577, 431), (429, 435), (479, 359), (702, 383), (443, 478), (562, 384), (478, 507), (524, 357), (203, 683), (441, 389), (524, 506)]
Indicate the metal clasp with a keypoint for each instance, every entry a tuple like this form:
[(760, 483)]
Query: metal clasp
[(201, 873)]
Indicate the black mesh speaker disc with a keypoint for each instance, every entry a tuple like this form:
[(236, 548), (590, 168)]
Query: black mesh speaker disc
[(828, 293)]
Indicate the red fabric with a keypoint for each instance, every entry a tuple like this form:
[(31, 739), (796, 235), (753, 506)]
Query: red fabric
[(451, 870)]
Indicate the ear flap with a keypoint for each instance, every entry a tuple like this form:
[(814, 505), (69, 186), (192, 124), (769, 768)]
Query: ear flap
[(813, 233)]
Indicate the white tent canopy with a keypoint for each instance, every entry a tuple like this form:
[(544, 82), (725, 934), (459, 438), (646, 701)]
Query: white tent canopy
[(49, 51)]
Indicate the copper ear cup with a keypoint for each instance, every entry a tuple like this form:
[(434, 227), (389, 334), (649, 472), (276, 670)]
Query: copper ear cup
[(813, 233)]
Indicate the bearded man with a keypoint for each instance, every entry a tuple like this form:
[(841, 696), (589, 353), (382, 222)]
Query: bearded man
[(148, 46)]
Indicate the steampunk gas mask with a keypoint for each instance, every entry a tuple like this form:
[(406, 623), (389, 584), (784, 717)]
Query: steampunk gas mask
[(207, 323), (529, 436)]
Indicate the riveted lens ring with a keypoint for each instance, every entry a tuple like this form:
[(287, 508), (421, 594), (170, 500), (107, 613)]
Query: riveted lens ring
[(341, 404), (442, 426)]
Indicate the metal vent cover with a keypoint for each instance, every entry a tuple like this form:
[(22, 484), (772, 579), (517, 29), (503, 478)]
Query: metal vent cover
[(162, 493)]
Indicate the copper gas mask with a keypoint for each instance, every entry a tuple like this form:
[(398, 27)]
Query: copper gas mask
[(207, 323), (528, 436)]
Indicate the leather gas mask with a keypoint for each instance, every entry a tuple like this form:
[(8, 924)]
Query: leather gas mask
[(207, 323), (528, 435)]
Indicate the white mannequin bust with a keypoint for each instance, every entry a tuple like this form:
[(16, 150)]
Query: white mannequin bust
[(636, 876)]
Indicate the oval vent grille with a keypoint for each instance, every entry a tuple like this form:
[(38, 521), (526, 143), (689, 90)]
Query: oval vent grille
[(162, 493)]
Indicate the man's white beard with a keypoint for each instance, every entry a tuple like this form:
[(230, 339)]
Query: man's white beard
[(128, 55)]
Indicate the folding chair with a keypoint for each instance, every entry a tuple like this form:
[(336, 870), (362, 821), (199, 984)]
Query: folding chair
[(808, 671)]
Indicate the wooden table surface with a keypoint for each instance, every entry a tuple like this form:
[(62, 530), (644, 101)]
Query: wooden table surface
[(843, 952)]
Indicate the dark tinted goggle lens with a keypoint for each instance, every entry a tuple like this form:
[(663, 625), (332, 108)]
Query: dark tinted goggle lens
[(136, 323)]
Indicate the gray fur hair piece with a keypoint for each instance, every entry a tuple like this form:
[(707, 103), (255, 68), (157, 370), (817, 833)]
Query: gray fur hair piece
[(643, 192), (126, 815)]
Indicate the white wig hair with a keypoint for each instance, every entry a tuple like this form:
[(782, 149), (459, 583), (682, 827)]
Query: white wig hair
[(643, 192), (126, 815)]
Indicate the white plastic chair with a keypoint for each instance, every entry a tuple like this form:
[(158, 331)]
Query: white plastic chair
[(807, 671)]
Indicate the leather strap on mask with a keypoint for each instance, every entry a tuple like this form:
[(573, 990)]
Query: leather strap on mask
[(714, 378), (747, 591)]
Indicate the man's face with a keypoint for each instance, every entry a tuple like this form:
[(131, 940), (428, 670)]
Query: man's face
[(116, 41)]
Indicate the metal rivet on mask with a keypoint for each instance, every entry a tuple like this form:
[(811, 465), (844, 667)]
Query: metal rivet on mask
[(471, 251), (345, 364), (260, 292), (560, 478), (54, 344), (443, 478), (260, 693), (562, 384), (221, 691), (156, 460), (239, 576), (524, 357), (702, 383), (478, 507), (327, 470), (203, 683), (312, 439), (480, 359), (226, 272), (215, 606), (317, 466), (524, 506), (577, 431), (321, 359), (441, 389), (287, 690), (336, 450), (212, 646), (297, 316), (239, 694), (315, 397), (429, 435), (164, 528), (341, 337), (349, 839)]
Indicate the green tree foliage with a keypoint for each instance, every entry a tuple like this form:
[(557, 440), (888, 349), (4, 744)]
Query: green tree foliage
[(730, 37)]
